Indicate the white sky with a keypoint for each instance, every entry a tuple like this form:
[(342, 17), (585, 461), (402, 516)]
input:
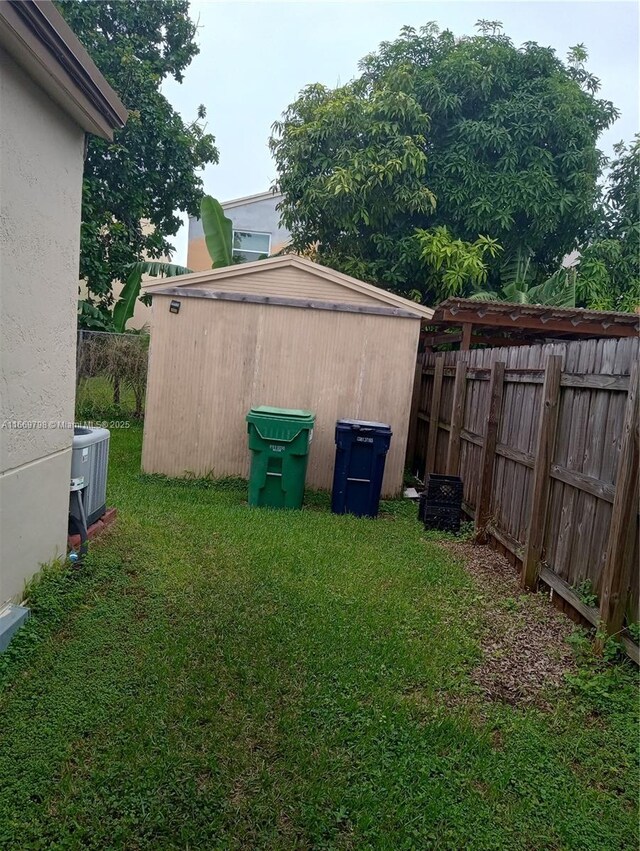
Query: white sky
[(256, 56)]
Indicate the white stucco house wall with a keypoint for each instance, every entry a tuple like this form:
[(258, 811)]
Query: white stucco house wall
[(51, 95)]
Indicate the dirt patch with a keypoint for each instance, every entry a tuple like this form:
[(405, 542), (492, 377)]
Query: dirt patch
[(525, 651)]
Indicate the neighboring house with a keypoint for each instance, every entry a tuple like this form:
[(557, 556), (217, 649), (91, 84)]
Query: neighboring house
[(51, 95), (257, 231)]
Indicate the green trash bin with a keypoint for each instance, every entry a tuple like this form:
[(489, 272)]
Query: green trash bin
[(279, 441)]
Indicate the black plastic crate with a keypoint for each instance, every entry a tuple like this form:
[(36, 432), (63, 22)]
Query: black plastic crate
[(422, 501), (444, 518), (443, 490), (422, 505)]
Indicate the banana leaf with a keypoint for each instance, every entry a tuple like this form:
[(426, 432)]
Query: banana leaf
[(123, 310), (218, 232)]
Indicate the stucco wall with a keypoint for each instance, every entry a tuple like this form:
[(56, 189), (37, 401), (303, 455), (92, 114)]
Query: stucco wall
[(260, 216), (41, 161)]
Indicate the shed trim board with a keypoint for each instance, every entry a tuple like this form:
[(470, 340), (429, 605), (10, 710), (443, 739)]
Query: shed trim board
[(282, 301), (292, 261)]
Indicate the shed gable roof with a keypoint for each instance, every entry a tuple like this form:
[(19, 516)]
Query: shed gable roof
[(352, 289)]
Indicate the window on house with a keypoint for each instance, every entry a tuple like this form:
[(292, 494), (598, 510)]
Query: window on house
[(249, 245)]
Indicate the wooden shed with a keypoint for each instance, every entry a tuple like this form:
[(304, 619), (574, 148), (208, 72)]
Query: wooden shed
[(284, 332)]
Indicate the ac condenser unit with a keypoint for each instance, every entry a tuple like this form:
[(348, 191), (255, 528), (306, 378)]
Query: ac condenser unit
[(89, 462)]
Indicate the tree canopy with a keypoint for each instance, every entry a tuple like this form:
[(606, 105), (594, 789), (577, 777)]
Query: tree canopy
[(468, 145), (609, 268), (134, 185)]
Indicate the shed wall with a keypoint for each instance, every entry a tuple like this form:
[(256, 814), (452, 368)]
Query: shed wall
[(215, 359)]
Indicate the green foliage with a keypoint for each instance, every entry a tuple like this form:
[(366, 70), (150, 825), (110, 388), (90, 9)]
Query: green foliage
[(586, 593), (353, 171), (218, 237), (634, 632), (92, 318), (50, 594), (608, 682), (609, 269), (218, 232), (559, 290), (134, 185), (115, 363), (94, 402), (472, 134), (125, 306), (599, 686), (466, 532), (453, 264)]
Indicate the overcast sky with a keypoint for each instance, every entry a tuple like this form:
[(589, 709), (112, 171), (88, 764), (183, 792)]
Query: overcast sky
[(256, 56)]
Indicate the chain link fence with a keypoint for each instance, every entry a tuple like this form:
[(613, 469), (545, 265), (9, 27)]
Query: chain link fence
[(111, 375)]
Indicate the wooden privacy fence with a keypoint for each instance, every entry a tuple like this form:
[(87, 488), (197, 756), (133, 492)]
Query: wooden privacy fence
[(545, 439)]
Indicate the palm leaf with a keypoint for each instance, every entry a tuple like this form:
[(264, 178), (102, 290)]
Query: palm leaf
[(486, 296), (557, 291), (218, 232), (517, 292), (160, 269), (516, 268)]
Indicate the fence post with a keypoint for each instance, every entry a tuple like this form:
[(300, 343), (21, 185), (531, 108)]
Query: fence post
[(617, 569), (457, 418), (483, 502), (413, 418), (545, 447), (465, 344), (434, 416)]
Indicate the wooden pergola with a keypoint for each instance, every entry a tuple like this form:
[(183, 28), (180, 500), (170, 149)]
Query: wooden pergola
[(468, 322)]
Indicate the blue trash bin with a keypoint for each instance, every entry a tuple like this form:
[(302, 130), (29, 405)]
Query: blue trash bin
[(361, 451)]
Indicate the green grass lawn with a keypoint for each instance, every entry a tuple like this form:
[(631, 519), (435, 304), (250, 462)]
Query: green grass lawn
[(219, 677), (94, 400)]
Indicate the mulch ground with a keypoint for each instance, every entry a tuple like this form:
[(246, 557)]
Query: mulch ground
[(525, 649)]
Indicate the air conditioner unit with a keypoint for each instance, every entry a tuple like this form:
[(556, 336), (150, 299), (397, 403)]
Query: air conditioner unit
[(89, 462)]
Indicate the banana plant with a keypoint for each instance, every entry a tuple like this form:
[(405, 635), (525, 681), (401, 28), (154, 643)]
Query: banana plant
[(218, 232), (518, 287), (125, 306), (218, 235)]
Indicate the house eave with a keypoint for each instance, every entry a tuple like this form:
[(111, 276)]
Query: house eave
[(250, 199), (39, 40)]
